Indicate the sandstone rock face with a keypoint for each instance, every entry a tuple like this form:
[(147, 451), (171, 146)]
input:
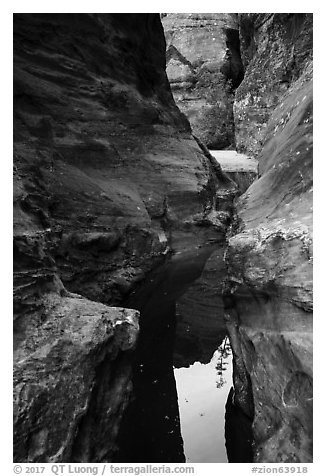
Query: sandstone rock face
[(103, 157), (204, 66), (71, 365), (107, 180), (269, 257), (275, 50)]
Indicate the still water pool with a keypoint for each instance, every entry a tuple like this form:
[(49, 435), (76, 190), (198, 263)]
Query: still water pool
[(177, 414)]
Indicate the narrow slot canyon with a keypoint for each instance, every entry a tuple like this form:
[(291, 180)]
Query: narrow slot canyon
[(183, 358), (163, 238)]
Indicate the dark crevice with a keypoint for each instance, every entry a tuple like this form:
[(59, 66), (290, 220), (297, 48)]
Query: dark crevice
[(233, 69), (238, 433)]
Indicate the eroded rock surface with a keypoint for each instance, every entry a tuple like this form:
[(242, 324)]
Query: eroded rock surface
[(275, 49), (204, 67), (103, 157), (108, 179), (71, 366), (269, 257)]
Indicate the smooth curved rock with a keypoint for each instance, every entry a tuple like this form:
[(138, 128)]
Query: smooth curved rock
[(107, 180), (103, 157), (269, 257)]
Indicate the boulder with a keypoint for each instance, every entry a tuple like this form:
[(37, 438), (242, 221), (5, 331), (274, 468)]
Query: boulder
[(71, 379)]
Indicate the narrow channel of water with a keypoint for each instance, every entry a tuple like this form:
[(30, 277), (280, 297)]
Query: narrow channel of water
[(150, 430)]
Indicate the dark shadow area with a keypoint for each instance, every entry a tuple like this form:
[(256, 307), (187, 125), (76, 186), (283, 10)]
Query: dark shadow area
[(238, 433), (150, 430), (233, 69)]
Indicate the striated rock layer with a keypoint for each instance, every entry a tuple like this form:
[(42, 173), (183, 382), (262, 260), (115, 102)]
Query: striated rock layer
[(103, 158), (204, 67), (107, 180), (269, 296)]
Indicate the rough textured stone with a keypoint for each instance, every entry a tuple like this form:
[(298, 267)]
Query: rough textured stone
[(103, 158), (107, 180), (269, 297), (204, 66), (70, 367), (275, 50)]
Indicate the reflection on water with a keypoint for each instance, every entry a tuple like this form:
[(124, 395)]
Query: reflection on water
[(200, 315), (150, 430), (202, 393)]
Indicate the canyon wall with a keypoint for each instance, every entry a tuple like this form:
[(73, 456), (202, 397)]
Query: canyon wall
[(268, 299), (204, 67), (275, 51), (107, 180)]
